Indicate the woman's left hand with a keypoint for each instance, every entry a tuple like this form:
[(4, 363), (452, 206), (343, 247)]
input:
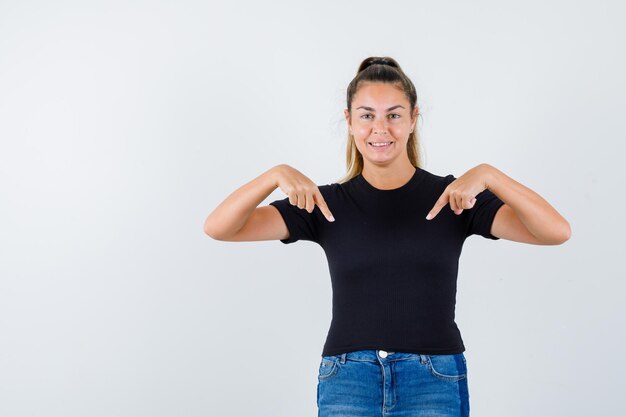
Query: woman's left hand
[(461, 193)]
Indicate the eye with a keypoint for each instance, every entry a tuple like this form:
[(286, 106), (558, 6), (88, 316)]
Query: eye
[(368, 114)]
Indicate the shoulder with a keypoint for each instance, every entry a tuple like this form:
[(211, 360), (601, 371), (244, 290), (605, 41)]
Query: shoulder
[(436, 180), (335, 188), (331, 192)]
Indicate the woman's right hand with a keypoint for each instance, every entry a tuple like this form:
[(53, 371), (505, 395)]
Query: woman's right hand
[(302, 192)]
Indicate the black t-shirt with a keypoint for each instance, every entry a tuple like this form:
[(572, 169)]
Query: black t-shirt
[(393, 273)]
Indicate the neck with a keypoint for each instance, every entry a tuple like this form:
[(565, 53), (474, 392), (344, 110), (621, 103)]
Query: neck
[(388, 177)]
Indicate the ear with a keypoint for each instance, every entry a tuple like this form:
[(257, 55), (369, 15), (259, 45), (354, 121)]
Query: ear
[(346, 113), (416, 111)]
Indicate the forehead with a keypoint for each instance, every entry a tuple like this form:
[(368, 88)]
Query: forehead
[(377, 94)]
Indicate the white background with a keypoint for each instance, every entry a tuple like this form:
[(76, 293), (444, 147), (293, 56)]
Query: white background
[(123, 124)]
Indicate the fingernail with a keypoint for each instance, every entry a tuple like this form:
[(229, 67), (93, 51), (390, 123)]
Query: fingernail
[(332, 219), (429, 216)]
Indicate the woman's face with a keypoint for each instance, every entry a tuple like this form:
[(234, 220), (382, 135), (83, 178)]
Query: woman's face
[(381, 115)]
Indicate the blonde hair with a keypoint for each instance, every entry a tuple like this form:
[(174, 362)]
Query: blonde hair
[(386, 70)]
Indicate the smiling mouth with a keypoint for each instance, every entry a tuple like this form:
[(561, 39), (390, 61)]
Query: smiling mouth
[(380, 145)]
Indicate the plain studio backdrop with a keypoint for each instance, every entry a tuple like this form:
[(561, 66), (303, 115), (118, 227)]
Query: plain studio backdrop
[(123, 124)]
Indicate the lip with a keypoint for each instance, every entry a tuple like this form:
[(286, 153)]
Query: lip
[(381, 148)]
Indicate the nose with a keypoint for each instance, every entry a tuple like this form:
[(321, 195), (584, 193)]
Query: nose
[(380, 128)]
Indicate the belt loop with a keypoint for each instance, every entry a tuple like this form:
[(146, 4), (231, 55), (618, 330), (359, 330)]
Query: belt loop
[(423, 358), (342, 360)]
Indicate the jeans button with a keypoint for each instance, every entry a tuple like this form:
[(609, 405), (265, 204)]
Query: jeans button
[(382, 353)]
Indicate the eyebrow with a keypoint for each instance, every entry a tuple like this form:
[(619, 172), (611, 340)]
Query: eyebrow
[(371, 109)]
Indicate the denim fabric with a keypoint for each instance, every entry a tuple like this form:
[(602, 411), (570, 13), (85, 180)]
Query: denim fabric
[(368, 383)]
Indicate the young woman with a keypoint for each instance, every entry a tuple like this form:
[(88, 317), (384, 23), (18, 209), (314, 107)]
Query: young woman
[(393, 347)]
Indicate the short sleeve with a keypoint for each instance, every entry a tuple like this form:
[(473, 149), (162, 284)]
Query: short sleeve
[(480, 217), (482, 214), (300, 223)]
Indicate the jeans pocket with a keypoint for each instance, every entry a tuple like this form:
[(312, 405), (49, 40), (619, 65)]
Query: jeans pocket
[(449, 368), (328, 367)]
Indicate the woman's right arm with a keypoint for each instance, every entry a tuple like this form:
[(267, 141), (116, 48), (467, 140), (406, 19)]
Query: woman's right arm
[(238, 218)]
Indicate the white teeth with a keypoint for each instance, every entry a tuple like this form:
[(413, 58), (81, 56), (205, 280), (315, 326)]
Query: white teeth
[(379, 143)]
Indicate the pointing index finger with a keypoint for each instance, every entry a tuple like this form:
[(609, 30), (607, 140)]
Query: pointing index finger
[(439, 204), (321, 203)]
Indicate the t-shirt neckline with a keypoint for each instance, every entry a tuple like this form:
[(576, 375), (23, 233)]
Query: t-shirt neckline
[(409, 184)]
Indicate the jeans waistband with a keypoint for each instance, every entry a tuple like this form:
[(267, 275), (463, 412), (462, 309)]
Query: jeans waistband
[(375, 355)]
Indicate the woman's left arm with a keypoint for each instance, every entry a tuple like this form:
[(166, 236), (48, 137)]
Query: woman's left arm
[(525, 216)]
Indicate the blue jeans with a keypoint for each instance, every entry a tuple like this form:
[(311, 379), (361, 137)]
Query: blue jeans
[(369, 383)]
